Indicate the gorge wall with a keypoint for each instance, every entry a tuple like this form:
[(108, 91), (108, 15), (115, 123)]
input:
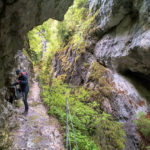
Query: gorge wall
[(124, 45), (120, 41), (119, 44), (17, 17)]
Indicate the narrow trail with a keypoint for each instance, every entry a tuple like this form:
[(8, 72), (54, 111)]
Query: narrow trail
[(36, 131)]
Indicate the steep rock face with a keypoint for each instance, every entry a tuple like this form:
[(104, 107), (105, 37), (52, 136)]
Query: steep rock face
[(126, 46), (115, 95), (7, 121), (22, 62), (111, 13), (123, 31), (120, 42), (17, 17), (124, 102)]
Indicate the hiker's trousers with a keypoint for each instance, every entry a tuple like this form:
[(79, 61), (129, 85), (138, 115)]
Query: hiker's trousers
[(25, 95)]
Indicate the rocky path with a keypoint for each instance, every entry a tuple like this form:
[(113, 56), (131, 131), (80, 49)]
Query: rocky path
[(36, 131)]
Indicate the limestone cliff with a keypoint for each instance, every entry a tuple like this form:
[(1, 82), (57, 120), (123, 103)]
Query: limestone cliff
[(119, 41), (124, 29)]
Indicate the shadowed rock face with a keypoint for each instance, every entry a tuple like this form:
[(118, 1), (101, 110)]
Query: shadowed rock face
[(17, 17)]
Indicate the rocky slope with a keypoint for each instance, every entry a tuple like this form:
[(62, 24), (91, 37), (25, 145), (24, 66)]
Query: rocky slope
[(120, 42), (17, 17)]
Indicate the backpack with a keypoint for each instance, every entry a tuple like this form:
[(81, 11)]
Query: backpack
[(17, 93)]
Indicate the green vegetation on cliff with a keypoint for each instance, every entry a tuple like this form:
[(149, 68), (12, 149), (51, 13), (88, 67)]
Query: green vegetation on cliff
[(143, 126), (94, 129)]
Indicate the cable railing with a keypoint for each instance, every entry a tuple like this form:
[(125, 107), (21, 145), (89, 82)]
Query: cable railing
[(68, 117)]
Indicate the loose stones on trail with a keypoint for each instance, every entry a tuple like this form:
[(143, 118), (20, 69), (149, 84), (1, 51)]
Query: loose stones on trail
[(36, 131)]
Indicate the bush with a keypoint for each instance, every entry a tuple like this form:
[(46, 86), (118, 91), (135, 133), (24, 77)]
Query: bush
[(143, 125), (93, 130), (111, 133)]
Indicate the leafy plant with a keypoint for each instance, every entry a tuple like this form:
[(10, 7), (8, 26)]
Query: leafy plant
[(143, 124), (93, 130), (111, 135)]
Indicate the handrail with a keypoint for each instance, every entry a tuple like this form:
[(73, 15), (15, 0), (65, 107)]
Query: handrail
[(67, 118)]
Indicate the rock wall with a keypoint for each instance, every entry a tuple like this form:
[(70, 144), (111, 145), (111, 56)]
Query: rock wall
[(120, 41), (17, 17), (125, 30), (113, 92)]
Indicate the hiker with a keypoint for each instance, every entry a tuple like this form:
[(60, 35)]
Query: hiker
[(23, 82)]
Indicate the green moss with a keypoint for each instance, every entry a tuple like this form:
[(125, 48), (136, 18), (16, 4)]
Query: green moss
[(18, 103), (5, 141), (34, 117), (65, 64), (148, 147), (143, 126), (37, 140), (62, 77), (110, 134), (98, 75), (86, 65)]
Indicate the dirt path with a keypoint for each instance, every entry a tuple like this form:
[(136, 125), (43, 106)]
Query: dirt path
[(36, 131)]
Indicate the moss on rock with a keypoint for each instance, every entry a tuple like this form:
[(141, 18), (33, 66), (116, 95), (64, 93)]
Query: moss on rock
[(5, 142), (99, 76)]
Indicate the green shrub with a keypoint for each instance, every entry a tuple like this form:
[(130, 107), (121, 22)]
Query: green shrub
[(143, 124), (148, 147), (91, 128), (110, 133)]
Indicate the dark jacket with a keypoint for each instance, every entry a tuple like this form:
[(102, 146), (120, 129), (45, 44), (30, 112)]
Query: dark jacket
[(23, 82)]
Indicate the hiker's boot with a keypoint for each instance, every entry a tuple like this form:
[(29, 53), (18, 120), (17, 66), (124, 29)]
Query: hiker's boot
[(25, 113)]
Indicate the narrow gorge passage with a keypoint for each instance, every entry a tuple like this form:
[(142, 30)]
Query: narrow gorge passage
[(36, 131), (93, 53)]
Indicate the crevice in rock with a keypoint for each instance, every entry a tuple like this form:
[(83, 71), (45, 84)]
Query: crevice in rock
[(134, 14), (140, 81), (3, 4), (98, 33)]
